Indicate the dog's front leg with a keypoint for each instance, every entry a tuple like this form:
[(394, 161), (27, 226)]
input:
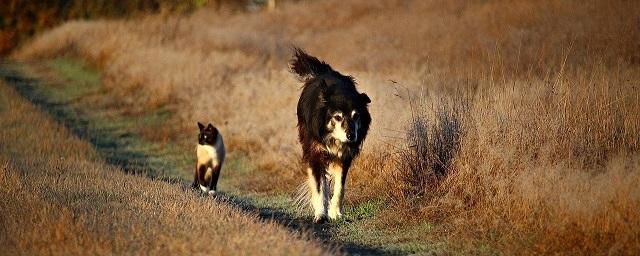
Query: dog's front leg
[(339, 178), (317, 187)]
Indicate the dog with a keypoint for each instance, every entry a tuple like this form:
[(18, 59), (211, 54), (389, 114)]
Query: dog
[(333, 121), (210, 156)]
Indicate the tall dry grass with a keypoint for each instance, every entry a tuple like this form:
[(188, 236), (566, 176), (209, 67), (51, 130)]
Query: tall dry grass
[(58, 197), (536, 147)]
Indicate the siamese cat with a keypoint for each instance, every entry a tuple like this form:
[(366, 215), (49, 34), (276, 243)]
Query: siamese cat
[(210, 155)]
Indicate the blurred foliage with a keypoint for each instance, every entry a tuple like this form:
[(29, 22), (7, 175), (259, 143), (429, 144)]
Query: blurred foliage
[(22, 19)]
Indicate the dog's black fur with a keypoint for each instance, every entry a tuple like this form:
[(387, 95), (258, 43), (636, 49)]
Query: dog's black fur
[(324, 92)]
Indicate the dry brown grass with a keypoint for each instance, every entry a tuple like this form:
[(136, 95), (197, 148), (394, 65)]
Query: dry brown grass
[(549, 135), (57, 197)]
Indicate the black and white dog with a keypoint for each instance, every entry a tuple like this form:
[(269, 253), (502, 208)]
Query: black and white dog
[(333, 121)]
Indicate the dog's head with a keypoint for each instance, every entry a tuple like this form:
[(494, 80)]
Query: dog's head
[(346, 117), (207, 134), (340, 112)]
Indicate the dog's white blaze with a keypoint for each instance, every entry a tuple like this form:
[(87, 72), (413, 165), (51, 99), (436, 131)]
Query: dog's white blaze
[(337, 131), (335, 206)]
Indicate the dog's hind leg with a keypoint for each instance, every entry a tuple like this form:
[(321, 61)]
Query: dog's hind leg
[(339, 178), (317, 187)]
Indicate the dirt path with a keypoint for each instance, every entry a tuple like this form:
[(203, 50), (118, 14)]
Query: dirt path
[(119, 147)]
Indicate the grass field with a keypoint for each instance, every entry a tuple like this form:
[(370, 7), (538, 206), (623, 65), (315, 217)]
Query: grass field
[(497, 127)]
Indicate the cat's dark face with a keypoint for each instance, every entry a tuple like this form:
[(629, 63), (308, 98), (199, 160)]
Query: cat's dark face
[(207, 134)]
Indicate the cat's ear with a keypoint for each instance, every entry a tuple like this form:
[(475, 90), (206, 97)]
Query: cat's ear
[(201, 126)]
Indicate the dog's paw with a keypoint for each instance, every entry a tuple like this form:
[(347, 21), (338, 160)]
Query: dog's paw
[(212, 193), (335, 214), (319, 219)]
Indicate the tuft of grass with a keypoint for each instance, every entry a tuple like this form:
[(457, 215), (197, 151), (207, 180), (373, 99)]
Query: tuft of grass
[(364, 210)]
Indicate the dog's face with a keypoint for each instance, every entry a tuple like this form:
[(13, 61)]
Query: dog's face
[(207, 134), (344, 126), (346, 113)]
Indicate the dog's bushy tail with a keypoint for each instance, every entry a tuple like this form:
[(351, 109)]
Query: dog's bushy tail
[(302, 199), (307, 66)]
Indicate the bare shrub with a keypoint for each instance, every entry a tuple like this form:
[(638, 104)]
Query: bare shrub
[(428, 150)]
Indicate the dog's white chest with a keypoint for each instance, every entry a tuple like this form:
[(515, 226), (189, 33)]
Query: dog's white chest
[(335, 149)]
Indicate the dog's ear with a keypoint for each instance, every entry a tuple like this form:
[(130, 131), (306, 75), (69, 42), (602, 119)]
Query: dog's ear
[(210, 127), (365, 98), (201, 126)]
